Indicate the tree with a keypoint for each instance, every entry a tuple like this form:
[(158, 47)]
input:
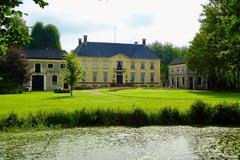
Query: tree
[(167, 53), (8, 27), (37, 39), (45, 37), (52, 37), (73, 70), (215, 50), (13, 69)]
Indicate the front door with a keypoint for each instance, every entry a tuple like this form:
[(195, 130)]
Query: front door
[(119, 79), (38, 83)]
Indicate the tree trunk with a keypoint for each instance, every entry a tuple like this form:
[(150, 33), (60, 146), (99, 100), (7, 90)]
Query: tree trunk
[(71, 88)]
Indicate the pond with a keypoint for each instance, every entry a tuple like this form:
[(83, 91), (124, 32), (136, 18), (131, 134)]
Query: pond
[(122, 143)]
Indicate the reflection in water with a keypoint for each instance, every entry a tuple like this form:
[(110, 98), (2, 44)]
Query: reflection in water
[(123, 143)]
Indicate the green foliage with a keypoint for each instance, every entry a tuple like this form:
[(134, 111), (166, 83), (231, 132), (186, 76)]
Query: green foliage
[(199, 114), (61, 90), (12, 29), (215, 50), (45, 37), (73, 70), (167, 53), (13, 71)]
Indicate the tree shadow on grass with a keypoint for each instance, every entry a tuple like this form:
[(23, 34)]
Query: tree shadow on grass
[(212, 94), (59, 97)]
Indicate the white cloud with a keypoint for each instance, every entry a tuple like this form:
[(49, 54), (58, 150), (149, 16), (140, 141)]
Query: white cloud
[(172, 20)]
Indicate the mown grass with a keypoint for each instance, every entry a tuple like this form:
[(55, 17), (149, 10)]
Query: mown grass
[(149, 100)]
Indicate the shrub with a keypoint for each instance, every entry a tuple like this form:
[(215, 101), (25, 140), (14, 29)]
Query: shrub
[(200, 113), (169, 116), (83, 87), (137, 118), (61, 90), (8, 87), (226, 114)]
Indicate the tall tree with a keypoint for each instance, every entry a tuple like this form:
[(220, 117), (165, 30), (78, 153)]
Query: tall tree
[(167, 53), (37, 39), (45, 37), (52, 37), (8, 27), (73, 70), (215, 50), (13, 71)]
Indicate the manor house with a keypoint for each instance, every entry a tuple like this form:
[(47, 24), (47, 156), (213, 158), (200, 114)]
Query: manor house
[(103, 65)]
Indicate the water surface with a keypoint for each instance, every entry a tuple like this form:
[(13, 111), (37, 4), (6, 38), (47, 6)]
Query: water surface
[(121, 143)]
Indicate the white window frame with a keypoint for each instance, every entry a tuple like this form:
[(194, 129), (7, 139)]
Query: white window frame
[(56, 81), (52, 66)]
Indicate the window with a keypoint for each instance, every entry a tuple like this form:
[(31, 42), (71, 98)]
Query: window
[(132, 65), (152, 66), (177, 70), (84, 64), (172, 81), (37, 67), (94, 74), (105, 64), (62, 66), (105, 76), (183, 80), (199, 81), (132, 80), (54, 80), (172, 70), (94, 64), (152, 77), (142, 65), (84, 76), (50, 65), (142, 77), (119, 65)]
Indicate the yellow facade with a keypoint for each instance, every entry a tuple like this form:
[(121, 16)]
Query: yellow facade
[(46, 73), (103, 68), (103, 65)]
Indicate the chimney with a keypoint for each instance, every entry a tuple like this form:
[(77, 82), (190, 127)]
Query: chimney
[(80, 41), (136, 43), (85, 38), (144, 41)]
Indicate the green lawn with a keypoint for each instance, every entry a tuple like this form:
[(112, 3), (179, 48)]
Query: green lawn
[(147, 99)]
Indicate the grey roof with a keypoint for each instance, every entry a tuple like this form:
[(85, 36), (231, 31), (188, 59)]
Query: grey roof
[(177, 61), (103, 49), (45, 54)]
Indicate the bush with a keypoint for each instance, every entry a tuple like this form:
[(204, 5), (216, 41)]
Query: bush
[(169, 116), (226, 114), (83, 87), (200, 113), (8, 87), (61, 90)]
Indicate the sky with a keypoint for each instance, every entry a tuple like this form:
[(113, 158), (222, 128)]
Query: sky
[(174, 21)]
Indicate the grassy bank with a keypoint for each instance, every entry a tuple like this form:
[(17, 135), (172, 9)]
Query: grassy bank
[(148, 100), (199, 113)]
